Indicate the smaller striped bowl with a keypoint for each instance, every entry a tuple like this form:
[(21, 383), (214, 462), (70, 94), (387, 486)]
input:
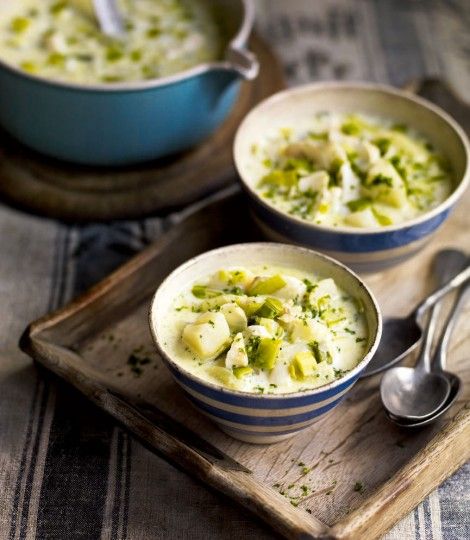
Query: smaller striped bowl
[(367, 250), (261, 418)]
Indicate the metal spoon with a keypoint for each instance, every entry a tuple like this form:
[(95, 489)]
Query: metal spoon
[(106, 12), (109, 17), (416, 393), (453, 395), (401, 335), (439, 364)]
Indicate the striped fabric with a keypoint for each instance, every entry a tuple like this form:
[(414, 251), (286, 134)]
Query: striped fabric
[(66, 471)]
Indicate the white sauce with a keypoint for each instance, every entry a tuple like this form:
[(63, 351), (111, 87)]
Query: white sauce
[(58, 40), (349, 170)]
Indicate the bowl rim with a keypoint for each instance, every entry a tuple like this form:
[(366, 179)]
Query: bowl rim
[(461, 184), (237, 42), (281, 247)]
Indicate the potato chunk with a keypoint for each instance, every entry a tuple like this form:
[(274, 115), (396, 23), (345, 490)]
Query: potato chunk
[(323, 154), (208, 336), (362, 218), (324, 288), (222, 375), (257, 330), (368, 153), (250, 305), (232, 278), (272, 327), (350, 183), (408, 146), (317, 181), (235, 317), (385, 185), (293, 288), (310, 331), (236, 355), (300, 330)]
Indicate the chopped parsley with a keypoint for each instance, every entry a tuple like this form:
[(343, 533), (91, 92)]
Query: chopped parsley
[(381, 179), (135, 362), (359, 487)]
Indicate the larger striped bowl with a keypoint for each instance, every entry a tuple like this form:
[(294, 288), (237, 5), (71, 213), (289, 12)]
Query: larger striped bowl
[(366, 250), (250, 417)]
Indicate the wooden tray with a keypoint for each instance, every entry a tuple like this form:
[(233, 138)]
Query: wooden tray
[(77, 193), (352, 475)]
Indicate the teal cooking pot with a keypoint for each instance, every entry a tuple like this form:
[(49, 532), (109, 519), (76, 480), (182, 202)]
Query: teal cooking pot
[(125, 123)]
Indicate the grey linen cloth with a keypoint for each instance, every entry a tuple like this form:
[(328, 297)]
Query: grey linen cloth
[(66, 470)]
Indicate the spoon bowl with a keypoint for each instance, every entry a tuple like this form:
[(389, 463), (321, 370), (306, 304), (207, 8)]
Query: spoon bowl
[(455, 387), (414, 394), (426, 395), (411, 394)]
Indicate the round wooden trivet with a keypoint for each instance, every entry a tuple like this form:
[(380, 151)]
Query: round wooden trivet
[(77, 193)]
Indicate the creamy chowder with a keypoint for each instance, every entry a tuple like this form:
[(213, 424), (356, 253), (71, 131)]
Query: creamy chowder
[(350, 170), (266, 330), (61, 39)]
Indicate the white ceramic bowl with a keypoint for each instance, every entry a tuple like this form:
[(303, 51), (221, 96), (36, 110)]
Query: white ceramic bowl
[(247, 416), (362, 249)]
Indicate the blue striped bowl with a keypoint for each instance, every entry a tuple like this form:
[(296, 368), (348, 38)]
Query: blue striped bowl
[(362, 249), (255, 418)]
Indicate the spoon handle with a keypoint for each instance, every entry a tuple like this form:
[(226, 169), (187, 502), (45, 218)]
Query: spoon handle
[(445, 265), (424, 358), (109, 17), (440, 355), (459, 279)]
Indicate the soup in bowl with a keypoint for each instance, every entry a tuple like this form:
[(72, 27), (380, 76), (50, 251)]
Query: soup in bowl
[(264, 338), (363, 172)]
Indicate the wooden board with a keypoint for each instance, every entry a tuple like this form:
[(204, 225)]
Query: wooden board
[(352, 475), (77, 193)]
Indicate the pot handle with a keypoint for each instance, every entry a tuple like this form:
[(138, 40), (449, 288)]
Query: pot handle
[(243, 61)]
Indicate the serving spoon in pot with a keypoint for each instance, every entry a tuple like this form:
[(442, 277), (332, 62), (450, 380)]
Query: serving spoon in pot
[(400, 335), (439, 366), (106, 12)]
